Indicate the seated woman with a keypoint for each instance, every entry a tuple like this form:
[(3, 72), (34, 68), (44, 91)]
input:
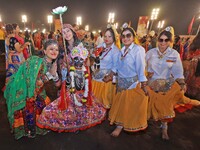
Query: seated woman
[(75, 109), (25, 95)]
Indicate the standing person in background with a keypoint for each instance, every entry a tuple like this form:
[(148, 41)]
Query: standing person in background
[(25, 95), (107, 61), (20, 39), (192, 68), (166, 81), (28, 38), (2, 40), (129, 107), (99, 40), (15, 54)]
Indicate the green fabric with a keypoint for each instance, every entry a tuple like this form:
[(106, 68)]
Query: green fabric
[(21, 85)]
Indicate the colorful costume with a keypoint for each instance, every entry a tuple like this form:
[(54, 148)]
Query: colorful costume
[(108, 60), (15, 59), (129, 107), (25, 97), (192, 74), (75, 109)]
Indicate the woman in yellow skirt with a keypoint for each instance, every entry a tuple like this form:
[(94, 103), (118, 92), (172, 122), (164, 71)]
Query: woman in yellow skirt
[(106, 59), (129, 107), (166, 81)]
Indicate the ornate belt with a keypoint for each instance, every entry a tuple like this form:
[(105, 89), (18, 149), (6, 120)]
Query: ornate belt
[(125, 83), (161, 85)]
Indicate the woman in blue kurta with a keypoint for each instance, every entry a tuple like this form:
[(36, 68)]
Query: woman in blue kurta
[(129, 107), (107, 60)]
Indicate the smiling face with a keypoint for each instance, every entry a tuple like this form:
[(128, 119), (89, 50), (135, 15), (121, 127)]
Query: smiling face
[(163, 43), (127, 38), (108, 38), (51, 52), (67, 33)]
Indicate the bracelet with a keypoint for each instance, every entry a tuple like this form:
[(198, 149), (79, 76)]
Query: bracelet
[(55, 78), (49, 76), (143, 84), (84, 99), (180, 81)]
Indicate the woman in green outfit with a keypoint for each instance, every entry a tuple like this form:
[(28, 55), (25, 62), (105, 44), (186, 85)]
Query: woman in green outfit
[(25, 94)]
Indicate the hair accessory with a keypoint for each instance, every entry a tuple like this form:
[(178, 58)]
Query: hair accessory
[(167, 29), (79, 51), (109, 26), (125, 25)]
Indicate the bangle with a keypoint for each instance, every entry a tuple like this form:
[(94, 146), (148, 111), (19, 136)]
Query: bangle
[(84, 99), (49, 76), (55, 78), (143, 84)]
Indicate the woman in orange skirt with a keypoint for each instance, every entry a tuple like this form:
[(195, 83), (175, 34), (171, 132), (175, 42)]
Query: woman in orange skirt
[(166, 81), (104, 62), (129, 107)]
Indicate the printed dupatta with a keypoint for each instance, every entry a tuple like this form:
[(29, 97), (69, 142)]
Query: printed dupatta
[(22, 85)]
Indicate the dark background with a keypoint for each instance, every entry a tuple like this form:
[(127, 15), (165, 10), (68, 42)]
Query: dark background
[(177, 13)]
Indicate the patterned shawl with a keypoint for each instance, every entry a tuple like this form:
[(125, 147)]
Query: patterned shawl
[(21, 85)]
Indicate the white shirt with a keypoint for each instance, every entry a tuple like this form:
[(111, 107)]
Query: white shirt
[(163, 68), (132, 64), (109, 60)]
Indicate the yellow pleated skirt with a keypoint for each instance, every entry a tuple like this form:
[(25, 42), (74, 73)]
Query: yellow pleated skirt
[(104, 92), (129, 109), (161, 105)]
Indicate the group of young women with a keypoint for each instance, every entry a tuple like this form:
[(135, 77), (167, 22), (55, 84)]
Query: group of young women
[(128, 84)]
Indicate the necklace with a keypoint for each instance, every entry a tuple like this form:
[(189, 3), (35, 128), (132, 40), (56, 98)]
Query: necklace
[(79, 80), (107, 50), (48, 64), (161, 55), (126, 52)]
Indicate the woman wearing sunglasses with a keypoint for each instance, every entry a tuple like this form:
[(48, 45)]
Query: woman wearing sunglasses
[(129, 107), (106, 60), (166, 81)]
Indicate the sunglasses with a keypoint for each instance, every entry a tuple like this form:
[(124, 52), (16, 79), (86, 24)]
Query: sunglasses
[(126, 36), (163, 40)]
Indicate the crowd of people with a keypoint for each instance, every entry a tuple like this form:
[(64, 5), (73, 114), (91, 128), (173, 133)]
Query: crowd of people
[(120, 77)]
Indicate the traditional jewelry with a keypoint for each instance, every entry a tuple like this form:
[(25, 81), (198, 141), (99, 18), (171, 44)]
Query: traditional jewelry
[(76, 76), (161, 55), (123, 56), (107, 51)]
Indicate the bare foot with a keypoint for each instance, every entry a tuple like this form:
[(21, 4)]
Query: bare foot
[(195, 103), (164, 134), (117, 131)]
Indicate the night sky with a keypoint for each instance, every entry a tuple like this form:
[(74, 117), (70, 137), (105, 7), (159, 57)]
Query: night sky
[(177, 13)]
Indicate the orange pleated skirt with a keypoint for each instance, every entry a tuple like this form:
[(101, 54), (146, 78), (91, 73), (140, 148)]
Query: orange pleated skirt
[(104, 92), (129, 109), (161, 105)]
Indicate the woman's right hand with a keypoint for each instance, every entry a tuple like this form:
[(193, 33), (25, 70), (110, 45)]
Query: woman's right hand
[(53, 69)]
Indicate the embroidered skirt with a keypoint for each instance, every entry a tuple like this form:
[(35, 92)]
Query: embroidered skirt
[(72, 119)]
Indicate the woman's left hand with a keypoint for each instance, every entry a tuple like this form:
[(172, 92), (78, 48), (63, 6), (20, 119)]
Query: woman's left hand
[(183, 88)]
